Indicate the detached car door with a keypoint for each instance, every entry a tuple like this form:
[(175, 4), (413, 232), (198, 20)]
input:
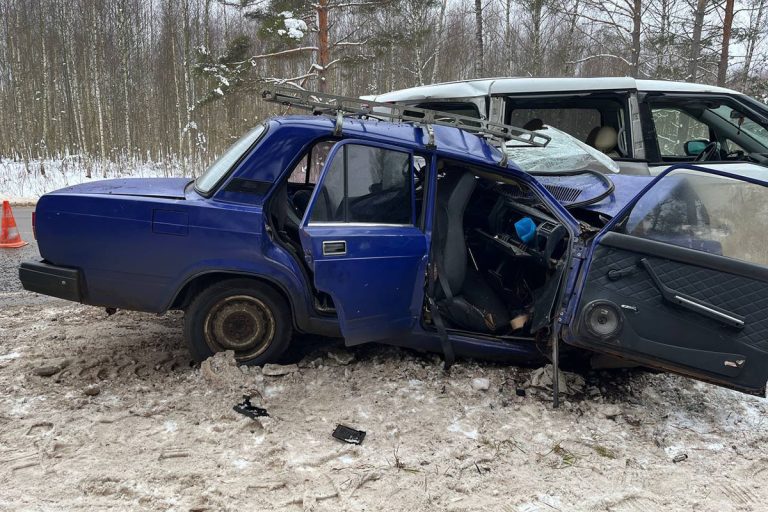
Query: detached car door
[(361, 241), (679, 280)]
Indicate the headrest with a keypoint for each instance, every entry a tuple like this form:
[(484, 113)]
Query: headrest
[(606, 139)]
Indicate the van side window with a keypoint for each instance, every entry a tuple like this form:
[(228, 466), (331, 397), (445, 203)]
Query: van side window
[(674, 128)]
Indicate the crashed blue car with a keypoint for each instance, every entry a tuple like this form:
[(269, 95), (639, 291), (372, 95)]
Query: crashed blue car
[(422, 231)]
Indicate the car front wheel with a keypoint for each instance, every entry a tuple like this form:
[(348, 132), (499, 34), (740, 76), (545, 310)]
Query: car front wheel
[(245, 316)]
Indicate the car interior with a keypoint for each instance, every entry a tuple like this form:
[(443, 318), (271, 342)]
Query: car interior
[(378, 204), (705, 130), (498, 254), (290, 202), (597, 119)]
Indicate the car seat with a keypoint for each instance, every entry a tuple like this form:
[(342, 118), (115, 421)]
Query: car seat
[(300, 201), (465, 298)]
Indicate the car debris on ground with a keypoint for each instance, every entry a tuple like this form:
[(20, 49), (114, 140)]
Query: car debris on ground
[(181, 445), (247, 409), (348, 434)]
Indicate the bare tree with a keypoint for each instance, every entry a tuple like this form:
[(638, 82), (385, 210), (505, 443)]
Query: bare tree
[(479, 45), (722, 68), (135, 80)]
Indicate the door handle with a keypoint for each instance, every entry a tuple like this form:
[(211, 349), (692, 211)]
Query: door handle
[(334, 248), (692, 303)]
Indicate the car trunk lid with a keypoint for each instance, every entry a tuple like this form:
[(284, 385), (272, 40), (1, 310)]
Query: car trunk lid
[(170, 188)]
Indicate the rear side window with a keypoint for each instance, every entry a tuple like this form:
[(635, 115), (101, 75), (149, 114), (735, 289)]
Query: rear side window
[(461, 108), (368, 185), (704, 212), (578, 122), (308, 169)]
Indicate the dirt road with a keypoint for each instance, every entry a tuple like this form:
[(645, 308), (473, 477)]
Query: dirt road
[(103, 412), (10, 258)]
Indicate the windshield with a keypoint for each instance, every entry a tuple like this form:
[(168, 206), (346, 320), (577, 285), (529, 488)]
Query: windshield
[(224, 163), (748, 126), (562, 153)]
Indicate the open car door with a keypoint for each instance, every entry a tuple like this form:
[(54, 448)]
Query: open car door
[(360, 239), (679, 280)]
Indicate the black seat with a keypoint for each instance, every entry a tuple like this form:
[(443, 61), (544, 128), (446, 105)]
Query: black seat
[(465, 299), (300, 201)]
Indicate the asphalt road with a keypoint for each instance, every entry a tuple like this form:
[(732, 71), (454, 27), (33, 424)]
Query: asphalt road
[(10, 258)]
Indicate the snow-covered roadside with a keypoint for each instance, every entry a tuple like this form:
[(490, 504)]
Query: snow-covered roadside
[(23, 184), (105, 412)]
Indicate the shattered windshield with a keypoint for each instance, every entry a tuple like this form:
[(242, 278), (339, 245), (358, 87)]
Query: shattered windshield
[(743, 123), (224, 163), (562, 153)]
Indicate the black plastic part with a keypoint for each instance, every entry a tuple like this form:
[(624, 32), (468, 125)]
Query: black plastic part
[(246, 186), (348, 434), (691, 303), (250, 410), (661, 334), (685, 255), (61, 282)]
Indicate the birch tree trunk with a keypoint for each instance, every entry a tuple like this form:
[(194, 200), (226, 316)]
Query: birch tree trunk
[(479, 50), (439, 42), (637, 8), (96, 67), (753, 36), (125, 64), (323, 52), (187, 81), (698, 25)]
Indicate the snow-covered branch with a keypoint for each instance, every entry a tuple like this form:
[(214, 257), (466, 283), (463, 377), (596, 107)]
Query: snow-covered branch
[(599, 56)]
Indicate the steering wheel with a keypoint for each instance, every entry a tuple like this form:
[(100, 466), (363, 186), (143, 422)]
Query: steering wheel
[(710, 150)]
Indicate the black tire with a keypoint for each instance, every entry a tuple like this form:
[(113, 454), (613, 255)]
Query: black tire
[(243, 315)]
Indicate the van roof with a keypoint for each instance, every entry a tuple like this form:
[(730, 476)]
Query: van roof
[(492, 86)]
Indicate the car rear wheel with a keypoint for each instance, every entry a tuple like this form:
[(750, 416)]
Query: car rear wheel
[(245, 316)]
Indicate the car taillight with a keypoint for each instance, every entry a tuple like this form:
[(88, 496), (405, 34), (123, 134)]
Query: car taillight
[(34, 231)]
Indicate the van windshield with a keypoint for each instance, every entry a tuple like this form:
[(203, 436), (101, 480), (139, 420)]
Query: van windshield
[(210, 178), (563, 153)]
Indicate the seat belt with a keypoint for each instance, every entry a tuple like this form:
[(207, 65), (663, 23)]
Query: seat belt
[(448, 354)]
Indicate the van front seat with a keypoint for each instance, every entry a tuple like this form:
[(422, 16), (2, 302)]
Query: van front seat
[(606, 140), (463, 296)]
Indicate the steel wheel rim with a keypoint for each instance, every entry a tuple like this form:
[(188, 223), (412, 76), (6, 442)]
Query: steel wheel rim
[(241, 323)]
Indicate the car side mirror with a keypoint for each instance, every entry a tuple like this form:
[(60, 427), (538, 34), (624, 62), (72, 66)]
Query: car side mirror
[(695, 147)]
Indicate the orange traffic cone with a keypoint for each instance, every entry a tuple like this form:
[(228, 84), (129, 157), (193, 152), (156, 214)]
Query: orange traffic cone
[(9, 233)]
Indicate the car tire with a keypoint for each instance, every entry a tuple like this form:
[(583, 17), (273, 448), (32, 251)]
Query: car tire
[(242, 315)]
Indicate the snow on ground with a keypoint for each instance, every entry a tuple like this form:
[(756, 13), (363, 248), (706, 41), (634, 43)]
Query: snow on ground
[(106, 412), (23, 183)]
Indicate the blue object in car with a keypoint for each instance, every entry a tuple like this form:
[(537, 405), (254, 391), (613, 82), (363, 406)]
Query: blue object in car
[(525, 229)]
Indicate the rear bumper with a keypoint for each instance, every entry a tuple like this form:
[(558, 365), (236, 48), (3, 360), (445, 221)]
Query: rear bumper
[(61, 282)]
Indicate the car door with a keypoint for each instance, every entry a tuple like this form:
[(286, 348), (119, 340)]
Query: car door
[(679, 280), (361, 241)]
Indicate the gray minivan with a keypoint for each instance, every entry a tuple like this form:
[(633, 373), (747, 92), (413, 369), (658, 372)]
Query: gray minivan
[(643, 125)]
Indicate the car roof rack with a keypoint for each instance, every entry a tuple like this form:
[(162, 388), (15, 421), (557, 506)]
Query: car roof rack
[(329, 104)]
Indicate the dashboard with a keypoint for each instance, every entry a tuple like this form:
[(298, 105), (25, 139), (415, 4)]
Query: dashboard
[(545, 243)]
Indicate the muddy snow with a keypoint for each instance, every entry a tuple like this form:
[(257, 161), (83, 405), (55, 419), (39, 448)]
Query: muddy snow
[(106, 412)]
